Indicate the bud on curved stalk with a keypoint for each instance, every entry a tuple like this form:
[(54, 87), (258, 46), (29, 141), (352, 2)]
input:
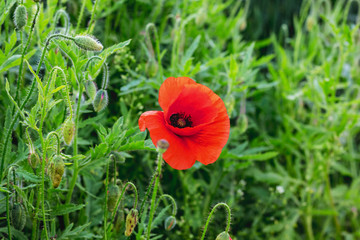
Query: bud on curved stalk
[(88, 43), (33, 159), (20, 17), (131, 221), (170, 223), (113, 196), (162, 145), (242, 123), (151, 67), (223, 236), (116, 156), (91, 89), (68, 131), (101, 100), (56, 170), (18, 216)]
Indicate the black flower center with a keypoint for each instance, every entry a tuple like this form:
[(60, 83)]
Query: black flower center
[(180, 120)]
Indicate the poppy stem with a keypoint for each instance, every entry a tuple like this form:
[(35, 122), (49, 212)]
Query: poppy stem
[(212, 212), (174, 210), (153, 199)]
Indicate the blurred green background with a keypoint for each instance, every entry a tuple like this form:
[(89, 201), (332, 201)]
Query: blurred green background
[(288, 72)]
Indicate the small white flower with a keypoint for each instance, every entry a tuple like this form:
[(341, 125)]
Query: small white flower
[(280, 189)]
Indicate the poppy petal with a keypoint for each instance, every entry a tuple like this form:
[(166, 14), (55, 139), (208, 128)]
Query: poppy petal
[(178, 155), (194, 101), (170, 90)]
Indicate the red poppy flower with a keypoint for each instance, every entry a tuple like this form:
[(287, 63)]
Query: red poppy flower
[(194, 121)]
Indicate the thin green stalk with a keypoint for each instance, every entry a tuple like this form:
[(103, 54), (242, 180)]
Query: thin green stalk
[(147, 194), (24, 51), (7, 137), (153, 199), (106, 199), (212, 212), (157, 44), (8, 209), (43, 146), (121, 196), (80, 15), (92, 17), (173, 202), (57, 139), (76, 164)]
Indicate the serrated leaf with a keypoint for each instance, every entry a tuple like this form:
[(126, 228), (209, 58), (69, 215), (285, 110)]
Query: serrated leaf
[(28, 176), (66, 208)]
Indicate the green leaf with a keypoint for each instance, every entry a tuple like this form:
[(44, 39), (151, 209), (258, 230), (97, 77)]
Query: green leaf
[(258, 157), (14, 61), (66, 208), (28, 176)]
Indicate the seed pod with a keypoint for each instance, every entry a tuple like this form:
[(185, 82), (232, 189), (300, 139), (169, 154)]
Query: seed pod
[(57, 168), (68, 131), (223, 236), (91, 89), (101, 100), (162, 145), (33, 159), (18, 216), (117, 157), (131, 221), (170, 223), (113, 196), (88, 43), (151, 67), (20, 17)]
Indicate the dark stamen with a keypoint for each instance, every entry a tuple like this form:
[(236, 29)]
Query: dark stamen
[(180, 120)]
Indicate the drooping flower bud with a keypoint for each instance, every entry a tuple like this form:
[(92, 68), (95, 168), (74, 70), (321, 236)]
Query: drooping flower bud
[(33, 159), (242, 123), (56, 170), (113, 196), (116, 156), (223, 236), (162, 145), (68, 131), (101, 100), (20, 17), (131, 221), (18, 216), (170, 223), (91, 89), (88, 43), (151, 67)]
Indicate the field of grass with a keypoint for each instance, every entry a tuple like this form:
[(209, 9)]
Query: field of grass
[(76, 76)]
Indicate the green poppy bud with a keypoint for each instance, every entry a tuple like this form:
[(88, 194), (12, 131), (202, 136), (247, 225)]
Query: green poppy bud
[(151, 68), (33, 159), (117, 157), (170, 223), (131, 221), (20, 17), (242, 123), (88, 43), (223, 236), (162, 145), (18, 216), (101, 100), (68, 131), (91, 89), (113, 196), (56, 171)]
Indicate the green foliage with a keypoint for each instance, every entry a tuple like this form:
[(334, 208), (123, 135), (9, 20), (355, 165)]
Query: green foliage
[(288, 74)]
